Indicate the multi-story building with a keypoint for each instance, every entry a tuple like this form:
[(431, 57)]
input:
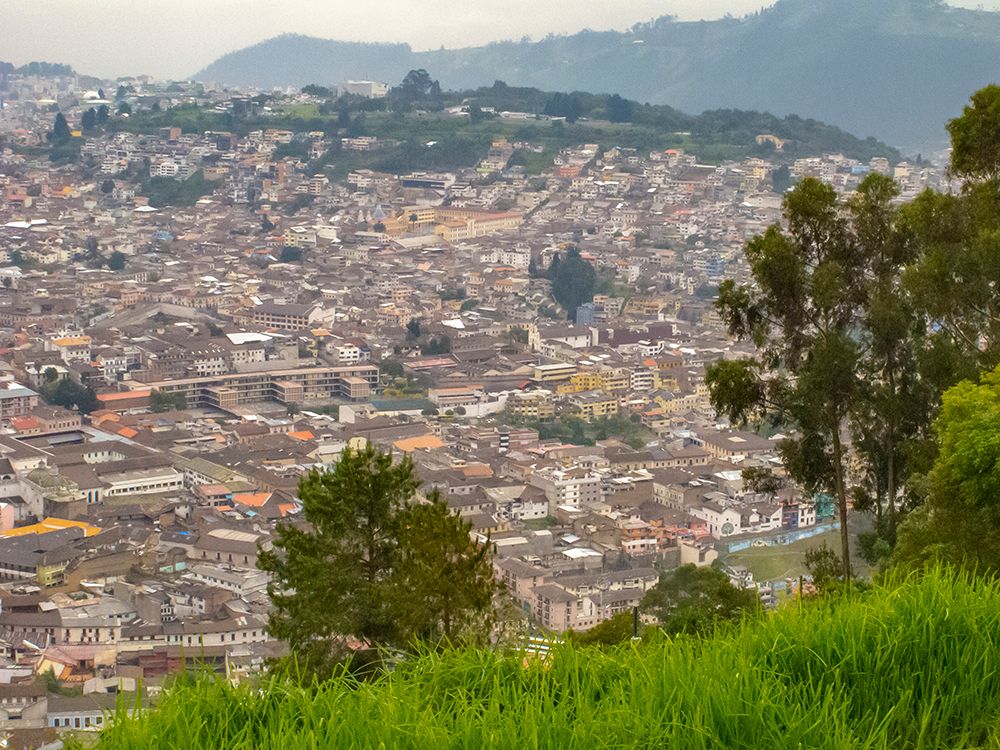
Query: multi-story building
[(594, 405), (16, 400), (575, 487), (532, 406), (294, 386), (285, 317)]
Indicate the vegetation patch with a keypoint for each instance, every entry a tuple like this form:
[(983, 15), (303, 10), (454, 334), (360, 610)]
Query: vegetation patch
[(911, 663)]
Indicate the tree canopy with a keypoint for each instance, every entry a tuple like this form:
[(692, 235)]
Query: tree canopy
[(371, 568), (694, 600), (960, 521), (975, 139), (573, 282)]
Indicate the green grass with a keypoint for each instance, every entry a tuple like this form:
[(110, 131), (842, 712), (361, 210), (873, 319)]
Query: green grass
[(910, 664), (778, 562)]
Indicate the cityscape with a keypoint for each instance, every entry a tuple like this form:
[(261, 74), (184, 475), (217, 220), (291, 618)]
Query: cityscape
[(304, 375)]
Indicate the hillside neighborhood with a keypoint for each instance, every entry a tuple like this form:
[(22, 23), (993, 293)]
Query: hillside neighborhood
[(190, 321)]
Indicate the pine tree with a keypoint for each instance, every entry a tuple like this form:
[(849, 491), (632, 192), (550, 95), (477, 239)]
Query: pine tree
[(358, 569), (60, 130), (444, 586), (89, 120)]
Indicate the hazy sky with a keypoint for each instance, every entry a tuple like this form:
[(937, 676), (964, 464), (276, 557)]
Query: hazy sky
[(177, 37)]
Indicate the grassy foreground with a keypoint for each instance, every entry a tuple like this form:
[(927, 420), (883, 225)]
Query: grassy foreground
[(914, 663)]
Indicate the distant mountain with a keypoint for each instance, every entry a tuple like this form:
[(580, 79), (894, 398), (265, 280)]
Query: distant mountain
[(895, 69)]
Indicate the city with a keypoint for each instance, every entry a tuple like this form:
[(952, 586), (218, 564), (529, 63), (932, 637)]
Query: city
[(211, 293)]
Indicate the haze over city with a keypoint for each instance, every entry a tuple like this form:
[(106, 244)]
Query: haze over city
[(126, 37)]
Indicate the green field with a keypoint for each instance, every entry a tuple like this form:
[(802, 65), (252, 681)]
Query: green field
[(911, 663), (779, 562)]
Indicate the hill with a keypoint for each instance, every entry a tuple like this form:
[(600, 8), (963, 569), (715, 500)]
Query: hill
[(895, 69), (461, 142), (910, 664)]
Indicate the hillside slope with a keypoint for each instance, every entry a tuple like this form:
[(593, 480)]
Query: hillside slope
[(912, 664), (895, 69)]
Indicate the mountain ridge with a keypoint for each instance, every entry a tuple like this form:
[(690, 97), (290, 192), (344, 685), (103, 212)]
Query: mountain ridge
[(897, 69)]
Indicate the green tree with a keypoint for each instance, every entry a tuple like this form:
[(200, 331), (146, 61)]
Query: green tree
[(781, 179), (762, 481), (443, 584), (116, 261), (892, 415), (617, 629), (330, 581), (574, 282), (960, 520), (108, 186), (519, 335), (413, 329), (392, 368), (60, 131), (954, 278), (564, 105), (975, 139), (70, 395), (619, 109), (694, 600), (291, 255), (437, 345), (160, 401), (416, 88), (803, 315), (553, 269), (825, 566), (88, 121), (313, 89), (352, 570)]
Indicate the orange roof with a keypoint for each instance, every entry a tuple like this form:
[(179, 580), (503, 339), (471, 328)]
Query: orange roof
[(24, 423), (72, 341), (477, 470), (123, 395), (51, 524), (408, 445), (252, 499), (301, 435), (128, 432), (98, 418), (286, 508)]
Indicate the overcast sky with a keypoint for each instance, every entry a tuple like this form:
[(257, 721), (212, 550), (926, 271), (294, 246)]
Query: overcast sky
[(178, 37)]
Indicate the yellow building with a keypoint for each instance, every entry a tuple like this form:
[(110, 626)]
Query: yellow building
[(593, 405), (582, 381), (532, 405), (614, 379)]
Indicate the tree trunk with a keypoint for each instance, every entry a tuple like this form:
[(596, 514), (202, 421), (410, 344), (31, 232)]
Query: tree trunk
[(891, 468), (891, 471), (841, 492)]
